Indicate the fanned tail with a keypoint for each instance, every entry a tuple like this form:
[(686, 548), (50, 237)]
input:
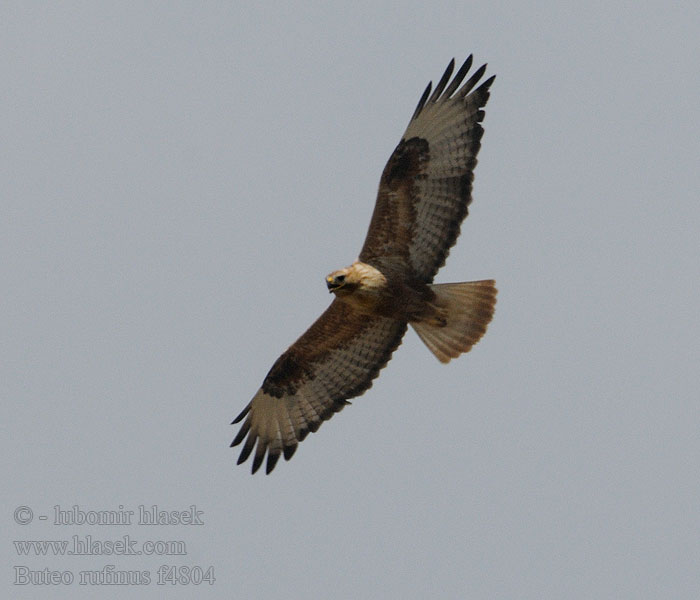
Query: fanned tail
[(468, 308)]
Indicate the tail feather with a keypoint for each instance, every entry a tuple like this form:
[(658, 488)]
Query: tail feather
[(468, 309)]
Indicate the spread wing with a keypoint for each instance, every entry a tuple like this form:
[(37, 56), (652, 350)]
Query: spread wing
[(426, 185), (336, 359)]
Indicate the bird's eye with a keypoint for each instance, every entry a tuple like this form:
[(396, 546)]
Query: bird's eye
[(340, 278)]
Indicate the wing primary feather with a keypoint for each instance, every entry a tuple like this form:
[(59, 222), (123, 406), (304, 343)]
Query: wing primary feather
[(463, 70), (487, 84), (421, 102), (471, 82), (241, 434), (289, 451), (443, 82), (275, 445), (247, 448), (244, 412), (259, 455), (272, 458)]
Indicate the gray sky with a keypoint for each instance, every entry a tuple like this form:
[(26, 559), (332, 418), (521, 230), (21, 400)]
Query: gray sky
[(177, 179)]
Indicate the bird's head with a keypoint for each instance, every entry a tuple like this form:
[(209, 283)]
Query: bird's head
[(342, 282), (358, 276)]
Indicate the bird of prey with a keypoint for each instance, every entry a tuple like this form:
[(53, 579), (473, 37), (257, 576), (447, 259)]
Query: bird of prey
[(424, 192)]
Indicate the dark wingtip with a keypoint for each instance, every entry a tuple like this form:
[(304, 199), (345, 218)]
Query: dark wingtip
[(247, 449), (257, 461), (245, 428), (443, 90), (443, 82), (421, 102), (471, 82), (272, 459), (244, 412), (289, 451), (459, 76), (487, 84)]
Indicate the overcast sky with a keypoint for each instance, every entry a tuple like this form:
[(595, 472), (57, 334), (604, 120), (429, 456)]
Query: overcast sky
[(176, 180)]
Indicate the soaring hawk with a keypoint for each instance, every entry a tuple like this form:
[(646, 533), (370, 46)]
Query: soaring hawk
[(423, 196)]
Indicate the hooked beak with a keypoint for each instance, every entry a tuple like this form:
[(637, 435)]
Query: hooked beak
[(333, 283)]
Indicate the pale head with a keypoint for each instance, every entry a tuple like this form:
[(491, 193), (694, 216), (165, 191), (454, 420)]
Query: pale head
[(358, 276)]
